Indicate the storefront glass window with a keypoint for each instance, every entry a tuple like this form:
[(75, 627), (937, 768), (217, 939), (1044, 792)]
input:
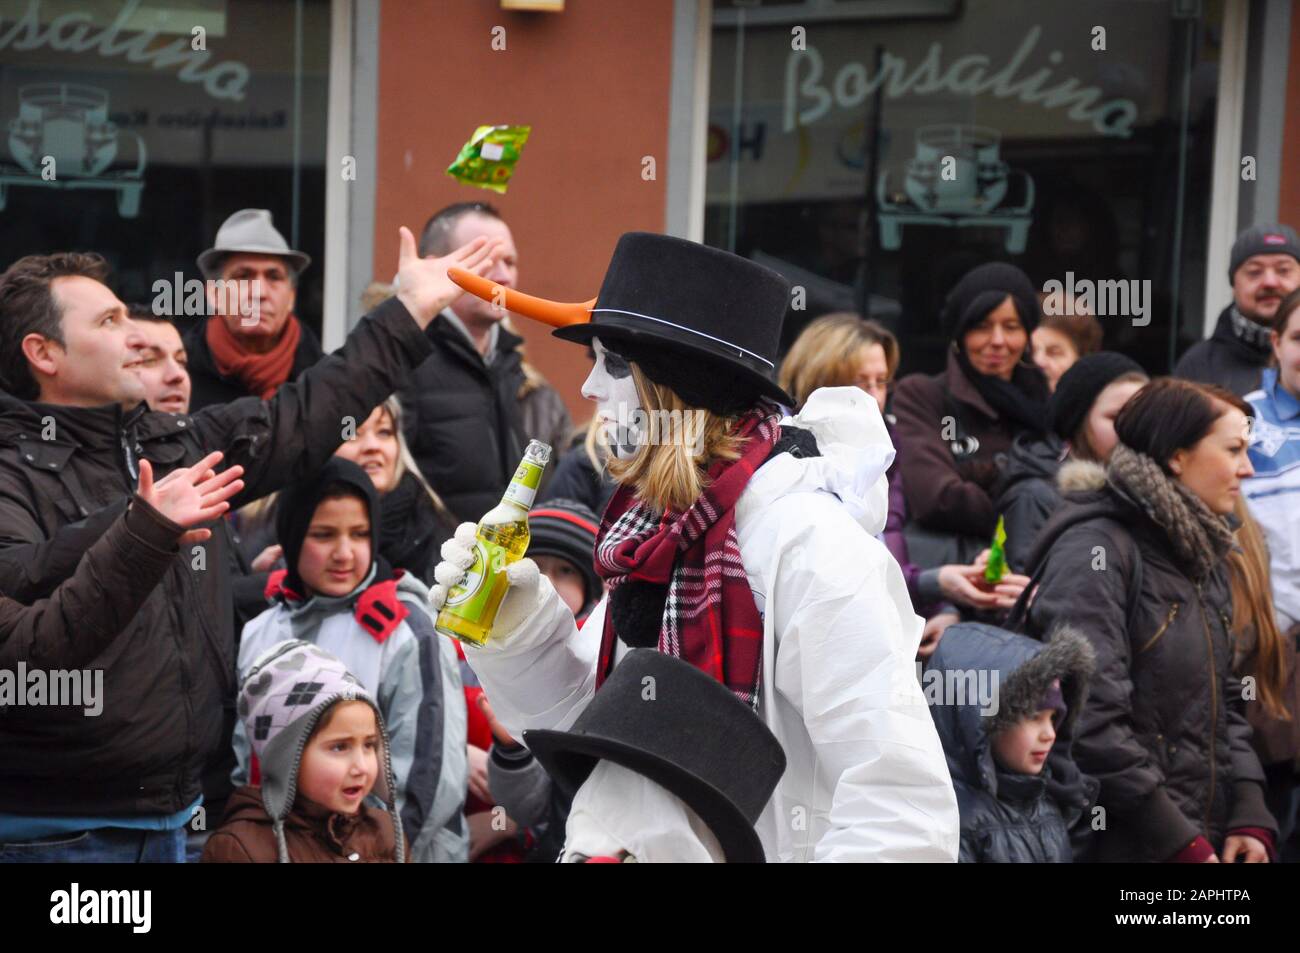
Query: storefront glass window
[(1070, 139), (134, 127)]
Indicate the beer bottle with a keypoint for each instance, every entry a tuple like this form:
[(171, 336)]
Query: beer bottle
[(502, 538)]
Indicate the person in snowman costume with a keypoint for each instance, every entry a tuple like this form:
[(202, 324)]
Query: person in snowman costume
[(742, 541)]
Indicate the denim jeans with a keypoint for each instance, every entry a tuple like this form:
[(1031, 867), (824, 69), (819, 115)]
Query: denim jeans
[(103, 845)]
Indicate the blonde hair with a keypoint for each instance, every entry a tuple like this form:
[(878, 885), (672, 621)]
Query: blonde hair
[(375, 294), (259, 510), (671, 475), (827, 352), (1252, 610), (406, 462), (595, 448)]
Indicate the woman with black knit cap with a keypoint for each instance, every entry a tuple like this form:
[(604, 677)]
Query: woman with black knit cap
[(1081, 427), (955, 428), (743, 542)]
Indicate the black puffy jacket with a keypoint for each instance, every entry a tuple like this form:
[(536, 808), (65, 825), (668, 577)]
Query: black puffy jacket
[(1225, 359), (169, 678), (1027, 494), (462, 419), (1164, 729), (1007, 817)]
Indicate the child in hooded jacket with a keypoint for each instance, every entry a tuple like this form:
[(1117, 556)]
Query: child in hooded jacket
[(320, 740), (339, 594), (1020, 796)]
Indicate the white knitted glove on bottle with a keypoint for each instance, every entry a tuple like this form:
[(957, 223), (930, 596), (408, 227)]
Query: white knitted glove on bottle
[(521, 598)]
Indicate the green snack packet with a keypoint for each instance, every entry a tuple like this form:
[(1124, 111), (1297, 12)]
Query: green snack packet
[(997, 565), (488, 159)]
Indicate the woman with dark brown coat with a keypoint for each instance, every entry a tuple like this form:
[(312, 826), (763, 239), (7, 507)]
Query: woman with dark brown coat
[(955, 428), (1138, 563)]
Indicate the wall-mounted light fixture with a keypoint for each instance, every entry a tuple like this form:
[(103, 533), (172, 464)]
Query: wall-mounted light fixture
[(540, 6)]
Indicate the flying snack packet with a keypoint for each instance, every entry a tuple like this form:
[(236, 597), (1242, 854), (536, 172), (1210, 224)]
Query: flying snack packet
[(997, 564), (488, 159)]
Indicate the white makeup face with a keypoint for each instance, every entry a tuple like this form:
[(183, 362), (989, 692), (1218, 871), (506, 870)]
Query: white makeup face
[(611, 386)]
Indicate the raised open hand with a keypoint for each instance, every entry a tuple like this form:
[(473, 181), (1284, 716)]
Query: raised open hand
[(422, 283), (191, 495)]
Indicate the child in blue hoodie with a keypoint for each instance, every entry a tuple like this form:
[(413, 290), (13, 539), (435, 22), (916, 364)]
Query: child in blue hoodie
[(1020, 796)]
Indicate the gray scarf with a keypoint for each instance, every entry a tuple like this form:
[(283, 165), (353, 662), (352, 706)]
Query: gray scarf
[(1200, 539), (1250, 332)]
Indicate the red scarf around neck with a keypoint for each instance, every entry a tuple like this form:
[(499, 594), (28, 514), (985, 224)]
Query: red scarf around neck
[(710, 618), (261, 374)]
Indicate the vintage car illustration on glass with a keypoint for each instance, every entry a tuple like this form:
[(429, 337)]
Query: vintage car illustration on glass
[(62, 138), (957, 178)]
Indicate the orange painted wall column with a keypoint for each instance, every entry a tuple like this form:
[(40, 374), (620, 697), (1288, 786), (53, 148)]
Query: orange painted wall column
[(594, 84), (1289, 197)]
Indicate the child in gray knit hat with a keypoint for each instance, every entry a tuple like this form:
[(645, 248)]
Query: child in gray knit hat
[(322, 748)]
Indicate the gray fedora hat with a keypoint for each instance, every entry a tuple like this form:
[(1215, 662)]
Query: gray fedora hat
[(249, 231)]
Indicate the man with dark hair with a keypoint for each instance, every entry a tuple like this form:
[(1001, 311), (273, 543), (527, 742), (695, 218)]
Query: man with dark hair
[(164, 364), (90, 356), (73, 430), (1264, 268), (252, 342), (475, 403)]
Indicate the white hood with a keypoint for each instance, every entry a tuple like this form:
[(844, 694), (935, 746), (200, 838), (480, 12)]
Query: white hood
[(855, 452)]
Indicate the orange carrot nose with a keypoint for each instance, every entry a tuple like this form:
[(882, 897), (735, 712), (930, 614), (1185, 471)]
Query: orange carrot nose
[(557, 314)]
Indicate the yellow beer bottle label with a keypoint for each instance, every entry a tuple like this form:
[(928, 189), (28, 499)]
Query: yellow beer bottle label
[(470, 596), (523, 486), (502, 538)]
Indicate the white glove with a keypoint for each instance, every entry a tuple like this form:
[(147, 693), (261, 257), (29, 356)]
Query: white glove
[(521, 598)]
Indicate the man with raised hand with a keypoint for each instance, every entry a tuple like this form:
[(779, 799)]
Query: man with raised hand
[(73, 431)]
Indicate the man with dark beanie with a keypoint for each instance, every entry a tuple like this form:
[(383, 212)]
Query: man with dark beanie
[(1264, 269), (1080, 418)]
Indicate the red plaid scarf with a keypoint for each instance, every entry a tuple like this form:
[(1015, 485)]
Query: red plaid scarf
[(710, 619)]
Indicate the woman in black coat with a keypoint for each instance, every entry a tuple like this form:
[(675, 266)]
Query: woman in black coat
[(1138, 564)]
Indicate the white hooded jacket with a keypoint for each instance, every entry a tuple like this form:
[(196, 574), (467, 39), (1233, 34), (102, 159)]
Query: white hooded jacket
[(866, 778)]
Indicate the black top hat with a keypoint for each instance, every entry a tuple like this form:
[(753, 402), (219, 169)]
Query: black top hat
[(667, 720), (677, 295)]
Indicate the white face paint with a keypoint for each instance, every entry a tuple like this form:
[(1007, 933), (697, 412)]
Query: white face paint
[(618, 405)]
